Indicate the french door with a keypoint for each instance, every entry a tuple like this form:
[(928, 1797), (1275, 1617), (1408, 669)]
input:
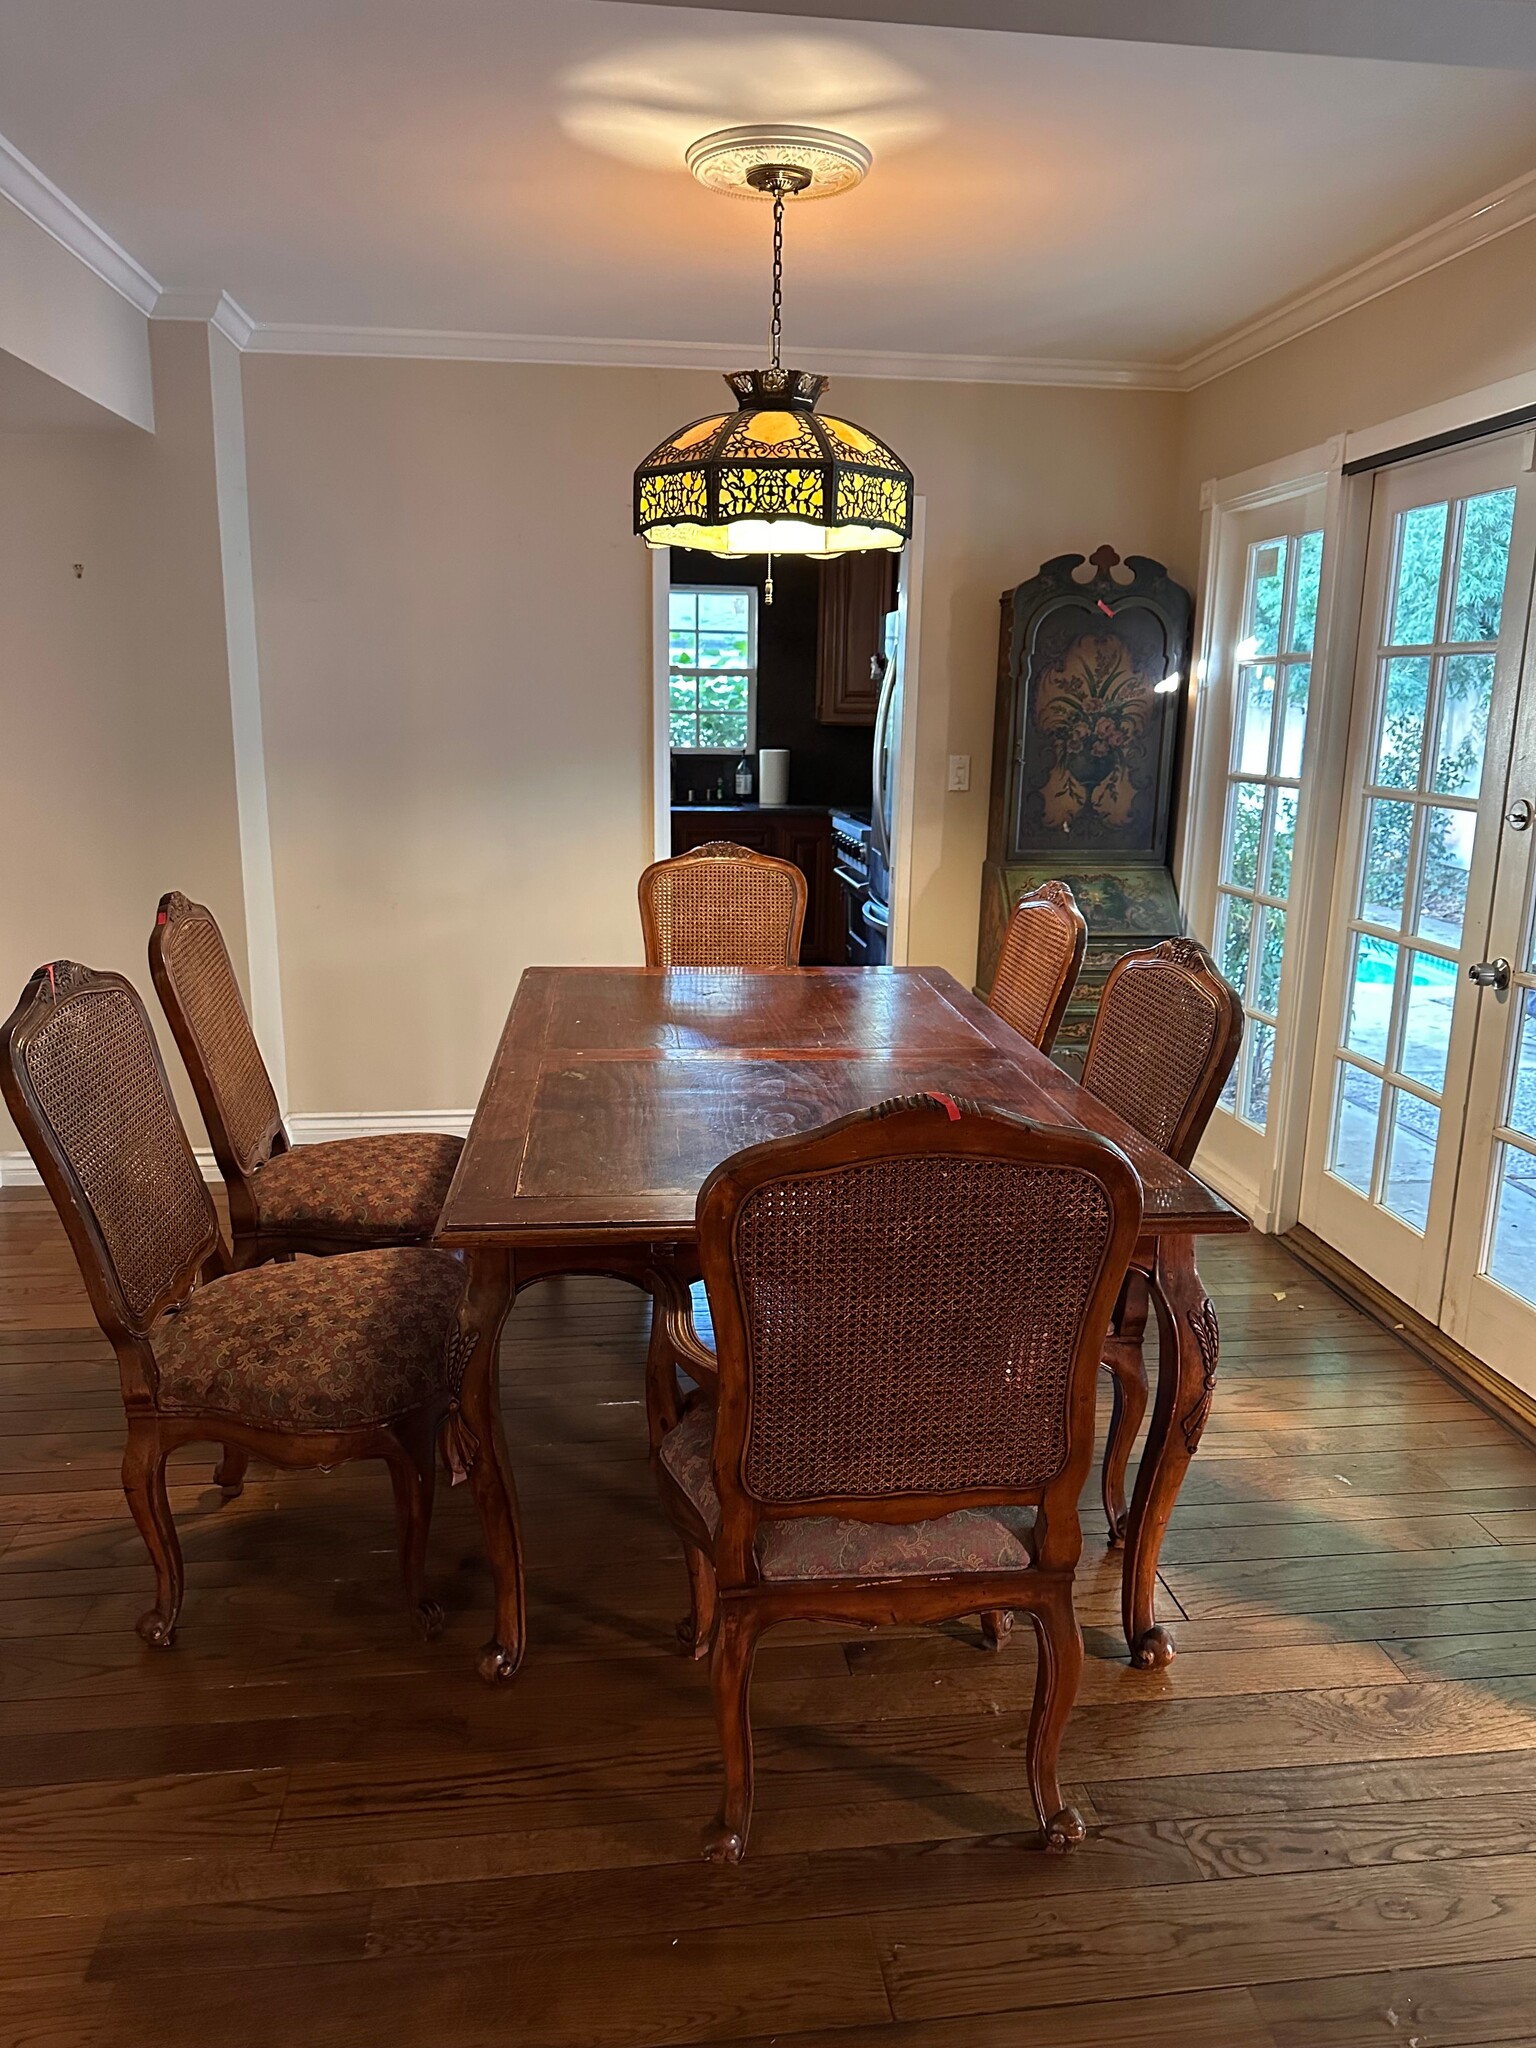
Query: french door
[(1421, 1157)]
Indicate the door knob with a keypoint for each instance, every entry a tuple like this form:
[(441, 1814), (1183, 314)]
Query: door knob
[(1518, 816), (1490, 973)]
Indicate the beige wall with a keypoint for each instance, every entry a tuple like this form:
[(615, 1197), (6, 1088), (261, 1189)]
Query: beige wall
[(454, 629), (115, 773)]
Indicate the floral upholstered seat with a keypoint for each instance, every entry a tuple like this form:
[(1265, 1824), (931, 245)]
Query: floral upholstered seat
[(826, 1547), (373, 1190), (320, 1344)]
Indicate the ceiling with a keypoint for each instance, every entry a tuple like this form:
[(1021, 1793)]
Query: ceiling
[(513, 167)]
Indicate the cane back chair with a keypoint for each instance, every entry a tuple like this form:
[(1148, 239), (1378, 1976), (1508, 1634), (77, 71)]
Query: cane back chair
[(1167, 1032), (909, 1307), (1039, 962), (351, 1194), (722, 906), (308, 1363)]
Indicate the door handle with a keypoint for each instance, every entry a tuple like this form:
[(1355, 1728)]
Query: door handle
[(1518, 816), (1490, 974)]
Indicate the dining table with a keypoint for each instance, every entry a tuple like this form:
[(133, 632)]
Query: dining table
[(614, 1093)]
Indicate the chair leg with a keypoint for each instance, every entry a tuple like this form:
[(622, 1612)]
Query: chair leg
[(144, 1459), (996, 1627), (1057, 1675), (229, 1473), (413, 1471), (1124, 1358), (696, 1631), (663, 1402), (730, 1678)]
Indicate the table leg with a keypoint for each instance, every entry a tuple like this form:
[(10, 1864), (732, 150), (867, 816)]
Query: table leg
[(478, 1444), (1187, 1349)]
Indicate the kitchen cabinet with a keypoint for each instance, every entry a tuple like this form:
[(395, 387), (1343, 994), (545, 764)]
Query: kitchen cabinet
[(803, 836), (857, 591)]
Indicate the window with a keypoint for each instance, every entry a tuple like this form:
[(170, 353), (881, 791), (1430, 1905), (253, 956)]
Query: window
[(712, 669), (1272, 676)]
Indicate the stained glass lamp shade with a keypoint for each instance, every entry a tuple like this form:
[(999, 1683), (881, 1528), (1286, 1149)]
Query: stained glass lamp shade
[(774, 477)]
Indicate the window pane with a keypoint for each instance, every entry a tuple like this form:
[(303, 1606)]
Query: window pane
[(684, 693), (1355, 1110), (1427, 1019), (1261, 1062), (1389, 835), (683, 734), (1293, 719), (1465, 694), (722, 650), (1410, 1158), (1228, 1096), (1370, 997), (1255, 708), (1267, 595), (722, 693), (1400, 736), (1512, 1255), (724, 611), (1309, 568), (683, 653), (1245, 823), (682, 611), (1482, 559), (1234, 925), (1420, 549), (1266, 988), (721, 729), (1282, 844), (1447, 859), (1522, 1094)]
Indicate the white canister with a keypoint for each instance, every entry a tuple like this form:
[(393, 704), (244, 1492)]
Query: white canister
[(773, 775)]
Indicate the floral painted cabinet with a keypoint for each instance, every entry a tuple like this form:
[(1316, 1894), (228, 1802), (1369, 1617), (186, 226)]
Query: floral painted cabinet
[(1084, 758)]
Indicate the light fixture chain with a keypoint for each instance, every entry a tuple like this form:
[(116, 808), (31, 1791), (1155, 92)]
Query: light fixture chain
[(776, 329)]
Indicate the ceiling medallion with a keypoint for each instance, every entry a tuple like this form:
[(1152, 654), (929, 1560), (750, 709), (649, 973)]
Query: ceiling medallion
[(776, 476)]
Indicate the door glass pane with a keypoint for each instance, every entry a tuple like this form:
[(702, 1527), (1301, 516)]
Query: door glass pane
[(1355, 1109), (1512, 1254), (1266, 985), (1420, 551), (1235, 923), (1261, 1062), (1370, 997), (1389, 836), (1522, 1092), (1255, 707), (1282, 844), (1293, 725), (1482, 559), (1466, 692), (1447, 861), (1309, 566), (1268, 598), (1245, 824), (1400, 737), (1410, 1158), (1427, 1018)]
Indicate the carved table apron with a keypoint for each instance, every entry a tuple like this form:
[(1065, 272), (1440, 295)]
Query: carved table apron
[(615, 1091)]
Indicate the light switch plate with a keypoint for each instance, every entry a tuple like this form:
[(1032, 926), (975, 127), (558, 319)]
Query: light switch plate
[(959, 771)]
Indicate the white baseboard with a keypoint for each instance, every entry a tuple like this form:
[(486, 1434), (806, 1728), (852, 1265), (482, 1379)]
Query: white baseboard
[(17, 1170)]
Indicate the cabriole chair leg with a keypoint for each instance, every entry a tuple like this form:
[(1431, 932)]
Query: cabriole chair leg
[(996, 1627), (144, 1484), (229, 1473), (696, 1631), (730, 1677), (413, 1472), (1057, 1675), (1125, 1360)]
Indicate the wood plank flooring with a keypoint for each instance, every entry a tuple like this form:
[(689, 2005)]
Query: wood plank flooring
[(303, 1827)]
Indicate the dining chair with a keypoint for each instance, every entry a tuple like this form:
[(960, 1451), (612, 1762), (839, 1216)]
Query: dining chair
[(1039, 962), (909, 1307), (1164, 1040), (344, 1195), (722, 905), (313, 1362)]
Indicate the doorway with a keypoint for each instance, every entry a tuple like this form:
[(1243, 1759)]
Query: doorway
[(1421, 1135)]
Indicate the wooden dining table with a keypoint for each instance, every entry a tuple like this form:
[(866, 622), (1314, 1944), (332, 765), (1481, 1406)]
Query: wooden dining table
[(615, 1091)]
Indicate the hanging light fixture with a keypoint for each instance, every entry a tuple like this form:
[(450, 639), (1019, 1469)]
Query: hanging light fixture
[(775, 476)]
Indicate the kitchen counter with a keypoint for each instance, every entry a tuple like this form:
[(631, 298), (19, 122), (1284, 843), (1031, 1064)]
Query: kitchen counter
[(747, 809)]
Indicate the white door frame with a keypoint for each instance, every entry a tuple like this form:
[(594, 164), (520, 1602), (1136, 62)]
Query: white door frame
[(909, 603)]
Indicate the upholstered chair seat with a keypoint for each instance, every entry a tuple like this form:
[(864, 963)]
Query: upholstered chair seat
[(322, 1344), (367, 1190), (828, 1547)]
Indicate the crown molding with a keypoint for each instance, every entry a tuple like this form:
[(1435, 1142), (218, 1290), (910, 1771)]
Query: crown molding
[(215, 309), (1467, 228), (449, 345), (36, 195)]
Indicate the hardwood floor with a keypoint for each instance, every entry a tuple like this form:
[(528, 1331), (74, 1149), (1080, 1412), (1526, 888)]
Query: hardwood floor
[(303, 1827)]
